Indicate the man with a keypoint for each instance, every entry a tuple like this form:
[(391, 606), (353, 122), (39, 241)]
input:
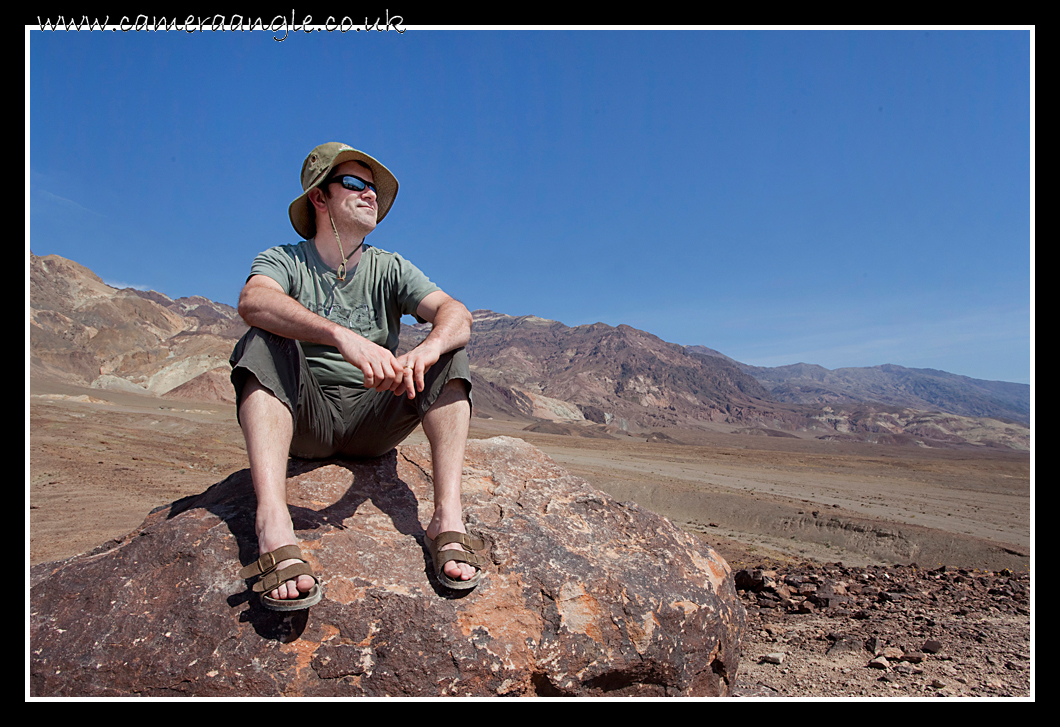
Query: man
[(317, 376)]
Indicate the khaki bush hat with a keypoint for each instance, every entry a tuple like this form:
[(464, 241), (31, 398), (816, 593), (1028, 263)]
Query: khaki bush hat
[(317, 167)]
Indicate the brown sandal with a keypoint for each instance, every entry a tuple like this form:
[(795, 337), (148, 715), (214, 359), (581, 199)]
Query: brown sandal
[(439, 557), (265, 566)]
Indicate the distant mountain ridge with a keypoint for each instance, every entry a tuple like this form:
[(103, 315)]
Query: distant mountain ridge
[(618, 374), (620, 378), (84, 332), (592, 379), (927, 389)]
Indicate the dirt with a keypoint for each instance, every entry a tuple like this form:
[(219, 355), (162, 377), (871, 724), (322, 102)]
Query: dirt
[(859, 503), (99, 461), (831, 630)]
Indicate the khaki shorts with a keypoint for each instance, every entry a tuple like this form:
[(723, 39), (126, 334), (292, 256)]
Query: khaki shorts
[(333, 421)]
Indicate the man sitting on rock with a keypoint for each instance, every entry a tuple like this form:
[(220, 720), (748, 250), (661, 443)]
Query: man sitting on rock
[(316, 375)]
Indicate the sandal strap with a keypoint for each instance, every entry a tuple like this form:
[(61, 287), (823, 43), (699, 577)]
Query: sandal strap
[(274, 579), (450, 555), (451, 536), (468, 543), (268, 561)]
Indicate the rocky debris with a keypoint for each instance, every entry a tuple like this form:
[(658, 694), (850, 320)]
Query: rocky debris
[(884, 631), (584, 595)]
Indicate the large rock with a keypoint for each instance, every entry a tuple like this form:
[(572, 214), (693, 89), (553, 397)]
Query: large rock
[(585, 595)]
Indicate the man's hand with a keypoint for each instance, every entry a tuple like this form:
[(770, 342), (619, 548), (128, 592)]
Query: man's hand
[(450, 329), (381, 370), (414, 364)]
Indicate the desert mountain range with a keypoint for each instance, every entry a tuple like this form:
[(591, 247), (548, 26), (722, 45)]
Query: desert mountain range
[(590, 380)]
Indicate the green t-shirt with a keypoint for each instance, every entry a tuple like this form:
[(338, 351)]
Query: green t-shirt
[(370, 302)]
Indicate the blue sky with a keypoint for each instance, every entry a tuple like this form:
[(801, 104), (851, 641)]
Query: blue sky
[(844, 198)]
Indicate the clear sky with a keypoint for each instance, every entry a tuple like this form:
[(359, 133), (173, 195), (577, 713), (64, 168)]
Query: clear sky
[(843, 198)]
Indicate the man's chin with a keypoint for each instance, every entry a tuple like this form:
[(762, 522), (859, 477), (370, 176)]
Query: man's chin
[(368, 219), (363, 224)]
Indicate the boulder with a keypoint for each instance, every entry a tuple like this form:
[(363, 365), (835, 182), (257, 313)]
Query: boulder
[(585, 596)]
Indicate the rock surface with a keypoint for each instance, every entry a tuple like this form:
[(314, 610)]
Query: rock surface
[(585, 595)]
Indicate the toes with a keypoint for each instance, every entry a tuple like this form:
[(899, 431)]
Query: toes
[(292, 589), (455, 569), (461, 571)]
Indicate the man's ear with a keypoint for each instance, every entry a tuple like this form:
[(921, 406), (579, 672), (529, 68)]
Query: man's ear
[(316, 198)]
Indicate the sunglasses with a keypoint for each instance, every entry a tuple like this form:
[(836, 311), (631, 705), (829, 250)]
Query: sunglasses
[(352, 183)]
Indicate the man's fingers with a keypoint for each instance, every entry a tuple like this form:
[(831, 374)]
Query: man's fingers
[(408, 383), (380, 369), (418, 371), (390, 377), (375, 374), (413, 376), (405, 375), (400, 380), (397, 383)]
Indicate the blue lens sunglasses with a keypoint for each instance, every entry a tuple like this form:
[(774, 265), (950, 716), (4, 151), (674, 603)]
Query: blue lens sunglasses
[(352, 183)]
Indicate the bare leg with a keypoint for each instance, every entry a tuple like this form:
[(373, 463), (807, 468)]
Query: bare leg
[(268, 427), (446, 425)]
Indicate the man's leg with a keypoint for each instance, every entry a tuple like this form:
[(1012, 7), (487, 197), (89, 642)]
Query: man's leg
[(446, 425), (268, 427)]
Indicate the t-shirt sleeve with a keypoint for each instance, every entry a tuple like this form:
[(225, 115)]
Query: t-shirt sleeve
[(412, 286), (279, 264)]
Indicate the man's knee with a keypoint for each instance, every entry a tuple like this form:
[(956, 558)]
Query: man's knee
[(258, 399), (447, 381), (251, 387), (271, 362), (459, 389), (454, 399)]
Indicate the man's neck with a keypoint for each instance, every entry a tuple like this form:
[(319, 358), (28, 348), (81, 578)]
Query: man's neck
[(328, 249)]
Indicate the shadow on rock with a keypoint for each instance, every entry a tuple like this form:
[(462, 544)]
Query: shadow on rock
[(234, 502)]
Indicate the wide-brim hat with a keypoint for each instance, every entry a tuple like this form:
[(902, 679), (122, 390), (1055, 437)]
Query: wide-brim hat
[(317, 167)]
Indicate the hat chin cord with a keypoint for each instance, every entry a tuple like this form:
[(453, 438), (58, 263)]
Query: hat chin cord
[(340, 271)]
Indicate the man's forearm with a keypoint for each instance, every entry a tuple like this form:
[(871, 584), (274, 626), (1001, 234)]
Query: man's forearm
[(279, 313), (451, 329)]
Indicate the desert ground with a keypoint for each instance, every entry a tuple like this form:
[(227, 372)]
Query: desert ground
[(98, 461)]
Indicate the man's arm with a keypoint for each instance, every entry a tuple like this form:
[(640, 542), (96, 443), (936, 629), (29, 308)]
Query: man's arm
[(264, 304), (451, 329)]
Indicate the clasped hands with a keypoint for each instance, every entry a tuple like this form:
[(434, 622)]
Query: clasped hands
[(385, 372)]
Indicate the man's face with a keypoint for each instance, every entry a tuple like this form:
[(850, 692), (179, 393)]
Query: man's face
[(351, 208)]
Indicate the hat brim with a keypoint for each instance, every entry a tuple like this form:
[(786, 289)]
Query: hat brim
[(386, 185)]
